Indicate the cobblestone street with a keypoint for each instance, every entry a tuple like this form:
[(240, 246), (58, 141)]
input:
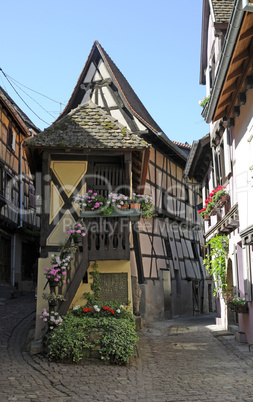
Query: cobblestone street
[(179, 360)]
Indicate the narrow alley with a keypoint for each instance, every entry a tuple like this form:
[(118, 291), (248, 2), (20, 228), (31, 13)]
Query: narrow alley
[(182, 359)]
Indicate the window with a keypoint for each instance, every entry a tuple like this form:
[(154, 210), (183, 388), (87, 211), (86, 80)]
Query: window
[(32, 196), (1, 180), (8, 187), (11, 139)]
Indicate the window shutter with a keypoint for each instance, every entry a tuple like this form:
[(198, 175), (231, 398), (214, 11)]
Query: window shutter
[(227, 156)]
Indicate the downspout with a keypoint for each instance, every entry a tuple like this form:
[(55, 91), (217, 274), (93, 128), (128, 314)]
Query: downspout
[(13, 261), (247, 6), (20, 187), (196, 247), (241, 7)]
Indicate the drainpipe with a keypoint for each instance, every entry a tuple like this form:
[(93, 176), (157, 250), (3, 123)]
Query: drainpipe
[(20, 187), (240, 8), (196, 246), (247, 6), (13, 261)]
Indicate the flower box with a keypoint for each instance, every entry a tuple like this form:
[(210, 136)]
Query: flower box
[(133, 214), (242, 309)]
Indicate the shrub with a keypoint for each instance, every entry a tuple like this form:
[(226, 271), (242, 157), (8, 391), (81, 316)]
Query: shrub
[(70, 341)]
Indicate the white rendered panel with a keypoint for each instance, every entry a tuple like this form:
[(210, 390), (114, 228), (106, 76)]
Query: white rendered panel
[(109, 99), (139, 124), (86, 96), (89, 74), (103, 70), (119, 116)]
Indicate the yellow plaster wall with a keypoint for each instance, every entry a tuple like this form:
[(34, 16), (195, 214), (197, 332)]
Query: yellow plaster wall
[(41, 327), (111, 266)]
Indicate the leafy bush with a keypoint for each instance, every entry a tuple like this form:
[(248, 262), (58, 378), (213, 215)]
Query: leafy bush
[(70, 341)]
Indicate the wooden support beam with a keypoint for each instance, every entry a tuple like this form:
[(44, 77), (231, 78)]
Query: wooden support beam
[(246, 34), (225, 102), (243, 55), (229, 89), (236, 73)]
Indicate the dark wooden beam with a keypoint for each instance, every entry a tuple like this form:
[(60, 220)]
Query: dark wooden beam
[(246, 34), (236, 73), (243, 55), (144, 170), (229, 89)]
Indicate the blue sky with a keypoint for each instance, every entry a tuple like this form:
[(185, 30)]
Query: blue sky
[(156, 45)]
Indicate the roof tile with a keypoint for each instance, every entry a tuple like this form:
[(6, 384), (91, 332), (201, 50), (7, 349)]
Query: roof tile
[(222, 10), (87, 126)]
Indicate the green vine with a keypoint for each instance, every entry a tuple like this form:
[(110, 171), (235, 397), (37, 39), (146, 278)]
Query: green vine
[(215, 262), (95, 286)]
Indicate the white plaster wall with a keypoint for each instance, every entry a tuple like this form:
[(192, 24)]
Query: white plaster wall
[(243, 161)]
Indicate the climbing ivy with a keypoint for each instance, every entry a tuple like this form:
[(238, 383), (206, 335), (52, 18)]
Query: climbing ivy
[(95, 286), (215, 262)]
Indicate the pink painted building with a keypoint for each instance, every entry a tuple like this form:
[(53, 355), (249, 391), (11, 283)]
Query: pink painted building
[(225, 156)]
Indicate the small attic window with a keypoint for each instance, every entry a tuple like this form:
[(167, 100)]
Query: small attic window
[(11, 139)]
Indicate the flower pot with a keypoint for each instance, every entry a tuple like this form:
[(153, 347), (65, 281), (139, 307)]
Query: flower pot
[(77, 240), (52, 283), (53, 303), (206, 217), (242, 309), (124, 207), (135, 205)]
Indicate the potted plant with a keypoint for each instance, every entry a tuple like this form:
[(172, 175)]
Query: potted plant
[(90, 201), (146, 204), (53, 298), (203, 101), (220, 195), (77, 232), (202, 212), (56, 274), (239, 304), (115, 202)]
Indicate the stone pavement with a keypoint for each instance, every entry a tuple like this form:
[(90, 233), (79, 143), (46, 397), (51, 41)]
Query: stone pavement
[(179, 360)]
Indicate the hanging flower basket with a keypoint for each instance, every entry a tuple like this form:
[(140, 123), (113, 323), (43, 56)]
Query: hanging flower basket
[(52, 283)]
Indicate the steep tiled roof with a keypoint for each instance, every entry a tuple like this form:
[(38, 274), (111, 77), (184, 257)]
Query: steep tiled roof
[(17, 112), (87, 126), (128, 92), (222, 10), (185, 145), (124, 87)]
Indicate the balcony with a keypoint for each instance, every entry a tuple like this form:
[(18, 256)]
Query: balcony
[(108, 236)]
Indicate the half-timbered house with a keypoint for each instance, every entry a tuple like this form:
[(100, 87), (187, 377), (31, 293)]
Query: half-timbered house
[(106, 139), (225, 156), (19, 222)]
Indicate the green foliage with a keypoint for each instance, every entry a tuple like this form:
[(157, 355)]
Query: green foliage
[(215, 262), (70, 341), (118, 340), (95, 287)]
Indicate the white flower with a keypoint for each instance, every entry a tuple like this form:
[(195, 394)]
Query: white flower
[(118, 310), (76, 307), (121, 306)]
